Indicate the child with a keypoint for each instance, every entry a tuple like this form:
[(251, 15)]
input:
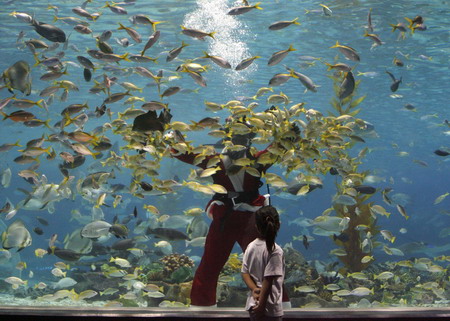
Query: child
[(263, 268)]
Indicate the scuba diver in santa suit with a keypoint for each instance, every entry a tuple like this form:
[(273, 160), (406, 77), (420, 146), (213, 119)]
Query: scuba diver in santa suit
[(232, 215)]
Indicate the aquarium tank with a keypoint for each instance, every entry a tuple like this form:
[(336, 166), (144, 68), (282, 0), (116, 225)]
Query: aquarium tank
[(350, 99)]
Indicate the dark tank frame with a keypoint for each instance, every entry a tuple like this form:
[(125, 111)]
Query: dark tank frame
[(88, 313)]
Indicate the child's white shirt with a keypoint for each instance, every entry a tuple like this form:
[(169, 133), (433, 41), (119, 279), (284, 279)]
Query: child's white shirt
[(259, 264)]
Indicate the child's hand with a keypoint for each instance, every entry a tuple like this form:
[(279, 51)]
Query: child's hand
[(258, 310), (255, 293)]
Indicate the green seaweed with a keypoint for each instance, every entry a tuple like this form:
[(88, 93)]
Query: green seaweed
[(360, 213), (345, 106)]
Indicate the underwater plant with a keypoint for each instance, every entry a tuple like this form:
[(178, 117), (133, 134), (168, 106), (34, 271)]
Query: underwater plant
[(358, 256), (350, 202)]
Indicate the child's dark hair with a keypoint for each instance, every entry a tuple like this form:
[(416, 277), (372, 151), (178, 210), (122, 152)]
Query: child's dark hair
[(268, 224)]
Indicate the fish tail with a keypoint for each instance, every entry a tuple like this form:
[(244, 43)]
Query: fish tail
[(256, 6), (291, 48), (410, 22), (330, 66), (5, 116), (155, 23), (292, 73), (410, 25), (55, 18), (125, 56), (206, 56), (74, 295), (337, 45), (211, 34), (394, 27), (121, 27), (307, 11), (67, 119), (37, 60), (295, 22), (95, 154), (94, 18), (183, 44), (39, 102)]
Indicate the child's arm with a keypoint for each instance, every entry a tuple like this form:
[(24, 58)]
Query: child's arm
[(251, 285), (265, 291)]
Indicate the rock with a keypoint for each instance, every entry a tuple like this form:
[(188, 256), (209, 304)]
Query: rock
[(178, 292), (292, 256), (231, 296), (95, 281)]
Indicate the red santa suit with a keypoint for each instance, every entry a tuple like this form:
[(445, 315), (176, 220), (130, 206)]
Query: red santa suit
[(233, 220)]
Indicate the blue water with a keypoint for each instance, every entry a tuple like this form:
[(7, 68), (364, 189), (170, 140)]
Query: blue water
[(425, 85)]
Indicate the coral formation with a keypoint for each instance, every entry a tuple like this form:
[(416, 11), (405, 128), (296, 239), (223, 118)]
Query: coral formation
[(174, 261), (155, 275)]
